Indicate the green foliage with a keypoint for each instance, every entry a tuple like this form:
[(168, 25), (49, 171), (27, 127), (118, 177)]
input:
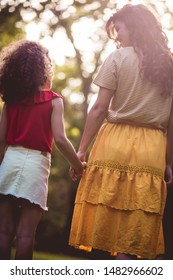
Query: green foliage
[(8, 26)]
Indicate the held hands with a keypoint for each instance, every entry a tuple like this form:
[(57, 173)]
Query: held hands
[(73, 174)]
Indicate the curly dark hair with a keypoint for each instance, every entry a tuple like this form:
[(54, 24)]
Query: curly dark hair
[(149, 42), (24, 68)]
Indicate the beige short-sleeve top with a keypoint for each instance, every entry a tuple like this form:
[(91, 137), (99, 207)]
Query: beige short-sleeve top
[(135, 100)]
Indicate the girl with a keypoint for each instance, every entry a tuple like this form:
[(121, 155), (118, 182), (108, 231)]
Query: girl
[(121, 197), (32, 116)]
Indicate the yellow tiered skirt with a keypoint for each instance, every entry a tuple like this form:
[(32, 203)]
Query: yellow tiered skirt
[(121, 197)]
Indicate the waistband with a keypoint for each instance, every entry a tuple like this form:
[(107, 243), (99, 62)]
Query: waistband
[(44, 153), (132, 123)]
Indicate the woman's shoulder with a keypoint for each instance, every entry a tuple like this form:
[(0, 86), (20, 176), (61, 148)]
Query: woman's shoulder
[(119, 55), (124, 52)]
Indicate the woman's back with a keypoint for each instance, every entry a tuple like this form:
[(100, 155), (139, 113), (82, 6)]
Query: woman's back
[(135, 99)]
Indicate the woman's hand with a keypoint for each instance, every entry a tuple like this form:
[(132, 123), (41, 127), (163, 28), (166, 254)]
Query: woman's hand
[(81, 155)]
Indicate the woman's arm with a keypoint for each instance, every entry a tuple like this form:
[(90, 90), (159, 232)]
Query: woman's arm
[(60, 138), (169, 149), (3, 131), (95, 119)]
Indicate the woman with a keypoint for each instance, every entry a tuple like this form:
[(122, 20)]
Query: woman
[(121, 197)]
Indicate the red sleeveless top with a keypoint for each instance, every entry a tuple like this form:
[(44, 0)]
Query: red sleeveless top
[(29, 122)]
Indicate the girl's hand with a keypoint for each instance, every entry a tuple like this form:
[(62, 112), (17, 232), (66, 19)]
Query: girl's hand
[(168, 174), (74, 175)]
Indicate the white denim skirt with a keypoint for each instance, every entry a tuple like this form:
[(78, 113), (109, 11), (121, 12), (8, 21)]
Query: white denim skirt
[(24, 174)]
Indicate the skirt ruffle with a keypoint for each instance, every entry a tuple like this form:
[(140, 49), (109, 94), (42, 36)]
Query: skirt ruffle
[(121, 197)]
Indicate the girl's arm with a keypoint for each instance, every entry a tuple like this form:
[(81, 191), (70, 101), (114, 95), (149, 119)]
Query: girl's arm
[(3, 130), (169, 150), (60, 138), (95, 119)]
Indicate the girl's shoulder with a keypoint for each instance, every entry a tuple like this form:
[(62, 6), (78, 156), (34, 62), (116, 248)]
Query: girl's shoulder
[(47, 95), (41, 97)]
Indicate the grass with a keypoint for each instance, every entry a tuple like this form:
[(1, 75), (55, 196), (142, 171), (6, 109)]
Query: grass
[(47, 256)]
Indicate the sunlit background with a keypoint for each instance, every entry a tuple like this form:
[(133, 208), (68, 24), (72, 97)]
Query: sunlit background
[(84, 32), (84, 29)]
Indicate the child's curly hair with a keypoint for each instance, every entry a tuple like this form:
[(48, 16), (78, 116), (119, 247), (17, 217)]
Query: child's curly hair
[(24, 68), (149, 42)]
